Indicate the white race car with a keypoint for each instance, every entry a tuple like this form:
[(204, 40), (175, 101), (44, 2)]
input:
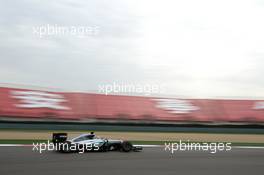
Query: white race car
[(90, 142)]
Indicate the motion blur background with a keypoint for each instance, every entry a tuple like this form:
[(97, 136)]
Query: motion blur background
[(207, 56)]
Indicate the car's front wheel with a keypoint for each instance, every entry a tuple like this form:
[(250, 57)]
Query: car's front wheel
[(126, 146)]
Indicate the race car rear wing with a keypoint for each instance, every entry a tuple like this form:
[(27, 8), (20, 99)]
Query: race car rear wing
[(59, 138)]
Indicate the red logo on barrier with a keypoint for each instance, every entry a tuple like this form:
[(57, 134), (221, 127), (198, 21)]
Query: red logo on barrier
[(176, 106), (37, 99)]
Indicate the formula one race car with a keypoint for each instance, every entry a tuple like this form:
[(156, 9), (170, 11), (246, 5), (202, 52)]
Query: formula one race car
[(90, 142)]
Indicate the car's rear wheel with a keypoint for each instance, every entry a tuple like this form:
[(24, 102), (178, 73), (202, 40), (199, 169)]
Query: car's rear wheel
[(65, 147)]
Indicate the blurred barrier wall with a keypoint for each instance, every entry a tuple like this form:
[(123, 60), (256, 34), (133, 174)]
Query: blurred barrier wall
[(25, 103)]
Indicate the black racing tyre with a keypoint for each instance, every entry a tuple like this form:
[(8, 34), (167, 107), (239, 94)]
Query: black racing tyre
[(126, 146), (65, 147)]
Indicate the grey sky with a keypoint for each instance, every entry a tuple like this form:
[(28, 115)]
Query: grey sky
[(194, 48)]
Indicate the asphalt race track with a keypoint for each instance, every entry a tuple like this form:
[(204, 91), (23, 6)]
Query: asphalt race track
[(152, 161)]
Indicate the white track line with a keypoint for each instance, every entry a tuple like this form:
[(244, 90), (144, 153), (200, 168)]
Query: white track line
[(249, 147), (150, 146), (144, 146), (242, 147), (6, 145)]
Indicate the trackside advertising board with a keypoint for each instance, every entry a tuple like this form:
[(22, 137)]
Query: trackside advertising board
[(26, 103)]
